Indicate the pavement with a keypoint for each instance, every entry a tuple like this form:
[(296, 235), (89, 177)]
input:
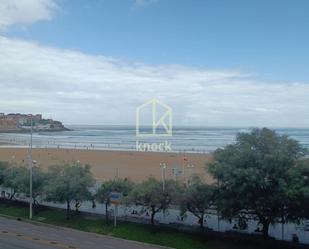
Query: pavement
[(16, 234)]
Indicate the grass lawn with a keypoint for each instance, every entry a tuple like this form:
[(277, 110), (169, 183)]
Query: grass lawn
[(125, 230)]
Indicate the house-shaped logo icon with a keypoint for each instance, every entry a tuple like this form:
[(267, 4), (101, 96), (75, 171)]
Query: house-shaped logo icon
[(160, 125)]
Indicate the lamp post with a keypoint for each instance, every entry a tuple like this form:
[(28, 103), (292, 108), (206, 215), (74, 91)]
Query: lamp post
[(30, 170), (163, 168)]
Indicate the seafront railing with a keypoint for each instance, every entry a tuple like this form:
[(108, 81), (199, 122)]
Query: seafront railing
[(171, 217)]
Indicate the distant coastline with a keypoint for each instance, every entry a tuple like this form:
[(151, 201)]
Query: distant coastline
[(24, 123)]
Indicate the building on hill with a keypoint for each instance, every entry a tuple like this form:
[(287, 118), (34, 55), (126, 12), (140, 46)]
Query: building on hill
[(22, 122), (8, 125)]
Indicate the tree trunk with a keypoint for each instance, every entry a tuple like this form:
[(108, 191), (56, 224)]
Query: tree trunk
[(35, 206), (282, 224), (202, 222), (265, 229), (153, 213), (10, 199), (12, 196), (106, 212), (68, 210)]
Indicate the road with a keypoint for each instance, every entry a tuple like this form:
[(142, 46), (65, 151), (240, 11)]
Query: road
[(22, 235)]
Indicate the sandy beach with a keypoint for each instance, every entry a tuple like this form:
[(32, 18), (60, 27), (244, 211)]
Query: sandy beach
[(136, 166)]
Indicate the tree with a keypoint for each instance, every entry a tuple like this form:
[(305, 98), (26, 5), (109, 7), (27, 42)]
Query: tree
[(39, 179), (255, 176), (153, 198), (14, 179), (198, 198), (69, 182), (123, 186), (18, 180)]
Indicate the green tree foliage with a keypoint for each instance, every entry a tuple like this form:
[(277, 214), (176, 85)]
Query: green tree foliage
[(299, 191), (123, 186), (153, 198), (198, 198), (14, 179), (69, 182), (39, 179), (256, 176), (3, 168), (304, 175), (18, 180)]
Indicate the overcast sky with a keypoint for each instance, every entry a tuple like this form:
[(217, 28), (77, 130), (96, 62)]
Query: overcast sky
[(94, 62)]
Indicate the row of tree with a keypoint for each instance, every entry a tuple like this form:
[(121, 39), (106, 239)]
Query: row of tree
[(263, 176)]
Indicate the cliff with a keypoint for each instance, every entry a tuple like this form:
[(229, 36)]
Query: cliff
[(22, 123)]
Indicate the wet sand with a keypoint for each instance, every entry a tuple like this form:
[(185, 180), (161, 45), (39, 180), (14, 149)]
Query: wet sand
[(6, 143), (136, 166)]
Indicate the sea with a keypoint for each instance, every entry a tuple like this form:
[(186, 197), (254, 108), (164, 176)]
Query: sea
[(123, 138)]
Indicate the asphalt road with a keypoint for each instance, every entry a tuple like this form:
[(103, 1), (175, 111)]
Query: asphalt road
[(22, 235)]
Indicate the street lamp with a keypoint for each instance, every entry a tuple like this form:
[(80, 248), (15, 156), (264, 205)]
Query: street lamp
[(163, 168), (30, 169)]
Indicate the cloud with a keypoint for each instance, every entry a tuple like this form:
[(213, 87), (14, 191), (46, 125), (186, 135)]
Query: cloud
[(79, 88), (25, 12)]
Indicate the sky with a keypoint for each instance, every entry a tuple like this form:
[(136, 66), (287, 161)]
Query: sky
[(215, 62)]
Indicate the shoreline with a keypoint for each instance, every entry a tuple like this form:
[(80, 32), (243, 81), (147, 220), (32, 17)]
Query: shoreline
[(14, 143), (11, 145), (26, 131), (107, 164), (5, 143)]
